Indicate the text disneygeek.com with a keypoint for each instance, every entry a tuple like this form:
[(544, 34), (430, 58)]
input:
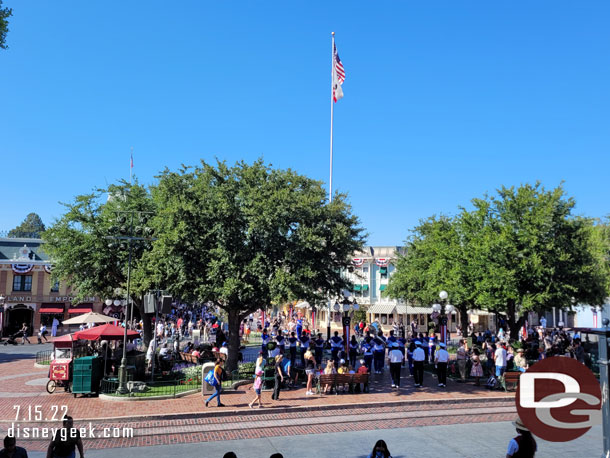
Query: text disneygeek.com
[(90, 432)]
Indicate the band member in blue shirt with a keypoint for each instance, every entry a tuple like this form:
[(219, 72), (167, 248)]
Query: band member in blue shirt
[(266, 339), (336, 344), (304, 347), (292, 340), (319, 342)]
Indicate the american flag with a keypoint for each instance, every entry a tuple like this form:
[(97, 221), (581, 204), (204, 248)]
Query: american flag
[(339, 76)]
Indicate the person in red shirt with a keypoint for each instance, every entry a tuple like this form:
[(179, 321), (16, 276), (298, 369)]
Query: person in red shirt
[(362, 370)]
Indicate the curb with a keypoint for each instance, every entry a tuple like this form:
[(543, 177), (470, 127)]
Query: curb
[(287, 409), (107, 397)]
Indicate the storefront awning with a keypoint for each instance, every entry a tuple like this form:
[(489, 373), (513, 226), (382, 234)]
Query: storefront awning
[(404, 309), (52, 308), (382, 287), (382, 308), (365, 287), (81, 308), (357, 287)]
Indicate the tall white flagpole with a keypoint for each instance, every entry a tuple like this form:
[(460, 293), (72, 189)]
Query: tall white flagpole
[(332, 83)]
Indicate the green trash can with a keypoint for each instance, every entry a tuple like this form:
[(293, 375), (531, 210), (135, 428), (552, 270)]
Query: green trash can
[(87, 373)]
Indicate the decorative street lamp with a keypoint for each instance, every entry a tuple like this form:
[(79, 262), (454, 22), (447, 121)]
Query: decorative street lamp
[(336, 308), (443, 307), (348, 306), (131, 231)]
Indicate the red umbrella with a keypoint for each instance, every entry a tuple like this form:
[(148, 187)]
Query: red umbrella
[(105, 332)]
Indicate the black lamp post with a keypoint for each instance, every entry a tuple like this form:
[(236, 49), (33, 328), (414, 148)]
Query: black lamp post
[(131, 234), (348, 306)]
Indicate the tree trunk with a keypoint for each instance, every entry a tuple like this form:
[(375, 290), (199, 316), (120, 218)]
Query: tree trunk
[(464, 320), (513, 325), (234, 319)]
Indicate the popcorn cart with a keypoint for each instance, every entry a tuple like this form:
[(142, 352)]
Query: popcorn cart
[(60, 371)]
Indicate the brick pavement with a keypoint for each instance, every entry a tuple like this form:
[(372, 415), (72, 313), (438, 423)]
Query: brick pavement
[(94, 408), (185, 419)]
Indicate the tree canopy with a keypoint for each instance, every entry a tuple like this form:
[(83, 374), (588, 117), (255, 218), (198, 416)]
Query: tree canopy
[(82, 252), (516, 252), (5, 13), (245, 236), (31, 227)]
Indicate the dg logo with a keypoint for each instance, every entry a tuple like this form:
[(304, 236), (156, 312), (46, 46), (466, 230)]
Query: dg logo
[(559, 399)]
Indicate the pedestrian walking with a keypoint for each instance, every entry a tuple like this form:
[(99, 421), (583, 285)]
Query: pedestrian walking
[(292, 342), (42, 333), (441, 359), (54, 327), (419, 356), (257, 387), (310, 368), (218, 388), (24, 334), (395, 358), (279, 378)]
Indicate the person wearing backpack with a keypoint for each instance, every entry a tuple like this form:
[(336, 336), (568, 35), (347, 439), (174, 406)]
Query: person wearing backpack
[(216, 383)]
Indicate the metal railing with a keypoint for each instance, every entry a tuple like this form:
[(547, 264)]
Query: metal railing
[(44, 357), (172, 388)]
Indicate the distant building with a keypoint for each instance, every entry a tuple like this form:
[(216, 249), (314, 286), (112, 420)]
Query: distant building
[(29, 294)]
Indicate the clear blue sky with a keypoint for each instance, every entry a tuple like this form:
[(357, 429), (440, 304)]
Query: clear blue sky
[(444, 100)]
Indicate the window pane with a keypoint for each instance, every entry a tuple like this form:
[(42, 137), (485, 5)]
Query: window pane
[(28, 283), (55, 287), (17, 283)]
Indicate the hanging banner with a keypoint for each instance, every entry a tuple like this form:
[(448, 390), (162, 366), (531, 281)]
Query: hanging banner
[(358, 262), (22, 268), (382, 262), (48, 268)]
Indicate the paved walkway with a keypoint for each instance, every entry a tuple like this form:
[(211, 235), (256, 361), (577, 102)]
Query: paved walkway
[(20, 384)]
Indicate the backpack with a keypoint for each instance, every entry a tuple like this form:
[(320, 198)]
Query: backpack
[(210, 379), (492, 383)]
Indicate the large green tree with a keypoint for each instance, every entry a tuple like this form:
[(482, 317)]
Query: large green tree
[(85, 257), (245, 236), (438, 257), (520, 251), (31, 227), (537, 254)]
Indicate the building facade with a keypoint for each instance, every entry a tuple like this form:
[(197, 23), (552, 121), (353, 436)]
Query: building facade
[(29, 294)]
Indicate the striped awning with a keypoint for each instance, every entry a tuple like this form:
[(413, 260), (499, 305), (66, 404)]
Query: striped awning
[(382, 308)]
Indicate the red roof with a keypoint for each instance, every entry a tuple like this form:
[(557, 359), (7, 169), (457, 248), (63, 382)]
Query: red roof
[(81, 308), (106, 332)]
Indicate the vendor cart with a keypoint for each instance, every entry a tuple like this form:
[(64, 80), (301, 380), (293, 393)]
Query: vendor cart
[(60, 370)]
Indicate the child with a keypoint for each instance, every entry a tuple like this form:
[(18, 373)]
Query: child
[(258, 383)]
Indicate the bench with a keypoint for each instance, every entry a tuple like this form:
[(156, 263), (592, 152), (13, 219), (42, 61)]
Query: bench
[(510, 378), (188, 358), (335, 380)]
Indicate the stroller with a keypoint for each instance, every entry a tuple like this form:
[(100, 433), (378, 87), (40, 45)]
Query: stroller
[(12, 338)]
